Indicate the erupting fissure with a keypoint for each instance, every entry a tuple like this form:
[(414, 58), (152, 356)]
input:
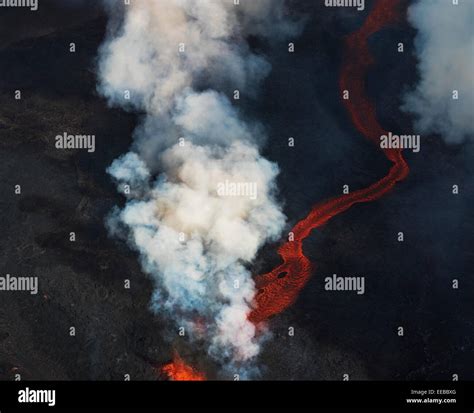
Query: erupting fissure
[(279, 288), (178, 370)]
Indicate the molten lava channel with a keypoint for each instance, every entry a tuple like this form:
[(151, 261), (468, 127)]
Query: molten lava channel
[(278, 289)]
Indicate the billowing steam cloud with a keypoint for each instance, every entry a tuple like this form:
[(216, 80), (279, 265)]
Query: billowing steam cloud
[(201, 199), (445, 46)]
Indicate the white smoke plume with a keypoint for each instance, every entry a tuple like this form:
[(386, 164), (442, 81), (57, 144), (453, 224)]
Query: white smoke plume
[(177, 61), (445, 48)]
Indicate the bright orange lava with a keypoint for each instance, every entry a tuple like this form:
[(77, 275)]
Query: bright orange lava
[(178, 370), (279, 288)]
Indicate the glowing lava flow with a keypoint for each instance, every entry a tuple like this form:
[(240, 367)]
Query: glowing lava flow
[(279, 289), (178, 370)]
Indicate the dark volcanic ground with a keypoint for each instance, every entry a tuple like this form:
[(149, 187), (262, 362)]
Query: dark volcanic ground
[(82, 283)]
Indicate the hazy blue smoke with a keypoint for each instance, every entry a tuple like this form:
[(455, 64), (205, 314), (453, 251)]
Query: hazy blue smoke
[(445, 48)]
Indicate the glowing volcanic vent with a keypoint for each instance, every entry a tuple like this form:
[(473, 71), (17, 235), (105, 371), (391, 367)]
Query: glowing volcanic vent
[(178, 370)]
